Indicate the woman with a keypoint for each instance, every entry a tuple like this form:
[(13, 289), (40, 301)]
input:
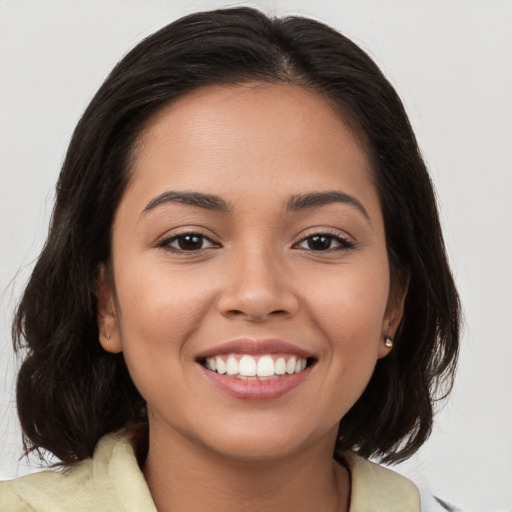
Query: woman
[(244, 292)]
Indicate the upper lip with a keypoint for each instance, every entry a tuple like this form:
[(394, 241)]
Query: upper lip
[(255, 347)]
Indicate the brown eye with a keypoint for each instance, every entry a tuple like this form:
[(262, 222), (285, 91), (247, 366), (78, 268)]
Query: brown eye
[(322, 242), (190, 242), (319, 242), (187, 242)]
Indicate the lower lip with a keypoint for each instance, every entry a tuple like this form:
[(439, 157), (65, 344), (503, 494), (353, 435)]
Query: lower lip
[(255, 389)]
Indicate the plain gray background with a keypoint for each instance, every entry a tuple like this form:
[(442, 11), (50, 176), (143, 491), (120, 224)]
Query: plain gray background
[(451, 62)]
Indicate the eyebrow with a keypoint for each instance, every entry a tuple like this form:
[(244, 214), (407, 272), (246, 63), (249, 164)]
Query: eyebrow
[(296, 202), (316, 199), (197, 199)]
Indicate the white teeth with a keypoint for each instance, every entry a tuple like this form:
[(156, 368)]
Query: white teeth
[(232, 365), (247, 366), (250, 367), (270, 377), (265, 367), (221, 365), (290, 365), (280, 366)]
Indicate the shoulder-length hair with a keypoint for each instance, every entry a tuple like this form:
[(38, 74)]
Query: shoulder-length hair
[(70, 392)]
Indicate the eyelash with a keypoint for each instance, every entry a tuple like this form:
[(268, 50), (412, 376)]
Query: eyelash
[(344, 244), (166, 243)]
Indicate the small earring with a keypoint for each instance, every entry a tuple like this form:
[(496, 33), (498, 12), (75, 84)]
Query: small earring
[(106, 335), (388, 341)]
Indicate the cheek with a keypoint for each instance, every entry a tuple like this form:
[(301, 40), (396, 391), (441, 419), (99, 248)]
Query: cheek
[(158, 311), (350, 302), (157, 301), (350, 308)]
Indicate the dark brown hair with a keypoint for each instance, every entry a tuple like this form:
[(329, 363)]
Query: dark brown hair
[(70, 392)]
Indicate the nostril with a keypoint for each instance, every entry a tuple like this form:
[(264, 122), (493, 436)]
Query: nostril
[(257, 306), (239, 312)]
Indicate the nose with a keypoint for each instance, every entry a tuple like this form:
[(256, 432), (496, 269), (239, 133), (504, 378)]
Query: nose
[(257, 287)]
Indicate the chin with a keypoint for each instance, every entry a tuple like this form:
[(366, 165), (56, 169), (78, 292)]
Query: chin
[(257, 450), (264, 443)]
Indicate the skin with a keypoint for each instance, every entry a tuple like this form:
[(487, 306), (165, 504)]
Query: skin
[(255, 275)]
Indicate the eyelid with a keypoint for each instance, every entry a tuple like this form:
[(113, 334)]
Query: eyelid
[(346, 242), (165, 241)]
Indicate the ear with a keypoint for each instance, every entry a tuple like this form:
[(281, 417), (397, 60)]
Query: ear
[(108, 327), (394, 311)]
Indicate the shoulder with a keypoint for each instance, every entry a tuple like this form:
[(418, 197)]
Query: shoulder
[(47, 490), (108, 482), (377, 488)]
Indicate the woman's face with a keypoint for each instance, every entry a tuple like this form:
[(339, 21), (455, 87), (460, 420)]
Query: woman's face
[(249, 242)]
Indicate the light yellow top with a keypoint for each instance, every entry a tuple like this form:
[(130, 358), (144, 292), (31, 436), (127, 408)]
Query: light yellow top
[(112, 482)]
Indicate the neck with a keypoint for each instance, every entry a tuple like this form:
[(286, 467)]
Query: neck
[(184, 476)]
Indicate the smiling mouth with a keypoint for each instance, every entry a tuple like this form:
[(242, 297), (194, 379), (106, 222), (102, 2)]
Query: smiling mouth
[(256, 367)]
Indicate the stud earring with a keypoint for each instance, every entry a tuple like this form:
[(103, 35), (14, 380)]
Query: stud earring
[(106, 335), (388, 341)]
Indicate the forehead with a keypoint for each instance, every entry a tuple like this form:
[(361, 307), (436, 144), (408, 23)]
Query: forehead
[(247, 138)]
